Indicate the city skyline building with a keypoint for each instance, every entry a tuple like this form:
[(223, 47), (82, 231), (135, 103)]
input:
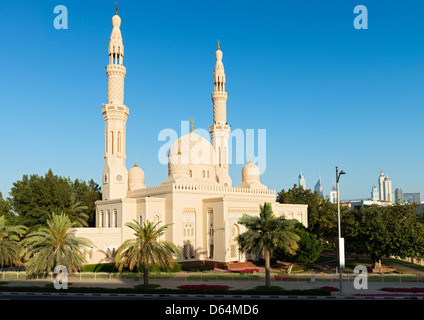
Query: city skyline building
[(412, 197), (333, 193), (374, 193), (398, 196), (302, 180), (318, 187), (385, 187)]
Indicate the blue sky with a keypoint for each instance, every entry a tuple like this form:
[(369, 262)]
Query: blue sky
[(327, 94)]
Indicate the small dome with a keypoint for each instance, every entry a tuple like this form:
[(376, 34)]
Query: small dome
[(136, 174), (250, 172), (136, 178)]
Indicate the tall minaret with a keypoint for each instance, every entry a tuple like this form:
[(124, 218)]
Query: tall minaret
[(220, 131), (115, 114)]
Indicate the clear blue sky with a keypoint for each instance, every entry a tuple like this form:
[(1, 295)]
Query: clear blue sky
[(326, 93)]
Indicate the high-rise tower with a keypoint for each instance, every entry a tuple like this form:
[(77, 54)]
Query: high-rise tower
[(115, 114), (333, 194), (220, 130), (318, 187), (302, 181), (385, 187)]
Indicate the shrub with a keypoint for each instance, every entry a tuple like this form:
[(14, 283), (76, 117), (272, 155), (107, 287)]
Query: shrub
[(245, 271), (110, 267), (195, 268)]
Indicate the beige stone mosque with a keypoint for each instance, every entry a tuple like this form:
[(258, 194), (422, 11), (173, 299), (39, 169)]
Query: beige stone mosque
[(197, 197)]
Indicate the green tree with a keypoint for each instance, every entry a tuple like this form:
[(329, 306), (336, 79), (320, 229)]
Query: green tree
[(5, 209), (309, 249), (145, 250), (10, 247), (265, 234), (77, 213), (322, 214), (35, 197), (53, 245), (384, 231), (86, 194)]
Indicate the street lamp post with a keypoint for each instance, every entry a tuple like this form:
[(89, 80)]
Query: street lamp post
[(340, 239)]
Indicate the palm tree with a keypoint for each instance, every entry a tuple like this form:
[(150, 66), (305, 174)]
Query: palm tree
[(10, 247), (146, 250), (54, 245), (265, 234), (77, 213)]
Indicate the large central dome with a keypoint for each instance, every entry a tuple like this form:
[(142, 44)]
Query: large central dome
[(191, 157)]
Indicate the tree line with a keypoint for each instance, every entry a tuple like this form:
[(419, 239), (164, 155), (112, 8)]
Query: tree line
[(34, 198), (377, 231), (41, 210)]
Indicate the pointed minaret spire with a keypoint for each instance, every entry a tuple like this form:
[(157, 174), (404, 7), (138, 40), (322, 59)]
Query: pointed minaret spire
[(219, 96), (115, 70)]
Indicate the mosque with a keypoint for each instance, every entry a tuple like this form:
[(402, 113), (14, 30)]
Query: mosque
[(197, 197)]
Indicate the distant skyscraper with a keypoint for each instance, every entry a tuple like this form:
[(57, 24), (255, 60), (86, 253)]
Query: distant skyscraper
[(374, 193), (412, 197), (398, 195), (302, 181), (318, 187), (333, 194), (385, 187), (381, 186)]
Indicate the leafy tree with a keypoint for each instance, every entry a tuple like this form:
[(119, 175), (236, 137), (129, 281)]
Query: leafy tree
[(54, 245), (77, 213), (309, 249), (86, 194), (384, 231), (10, 247), (35, 197), (5, 209), (322, 214), (267, 233), (145, 250)]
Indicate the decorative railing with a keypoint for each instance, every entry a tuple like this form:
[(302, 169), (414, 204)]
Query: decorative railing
[(198, 188)]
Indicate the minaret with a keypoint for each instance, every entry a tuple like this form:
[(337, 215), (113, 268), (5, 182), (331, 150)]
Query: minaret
[(115, 114), (220, 131)]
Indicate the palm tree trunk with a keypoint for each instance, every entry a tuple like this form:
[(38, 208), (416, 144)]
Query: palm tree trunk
[(146, 274), (267, 269)]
